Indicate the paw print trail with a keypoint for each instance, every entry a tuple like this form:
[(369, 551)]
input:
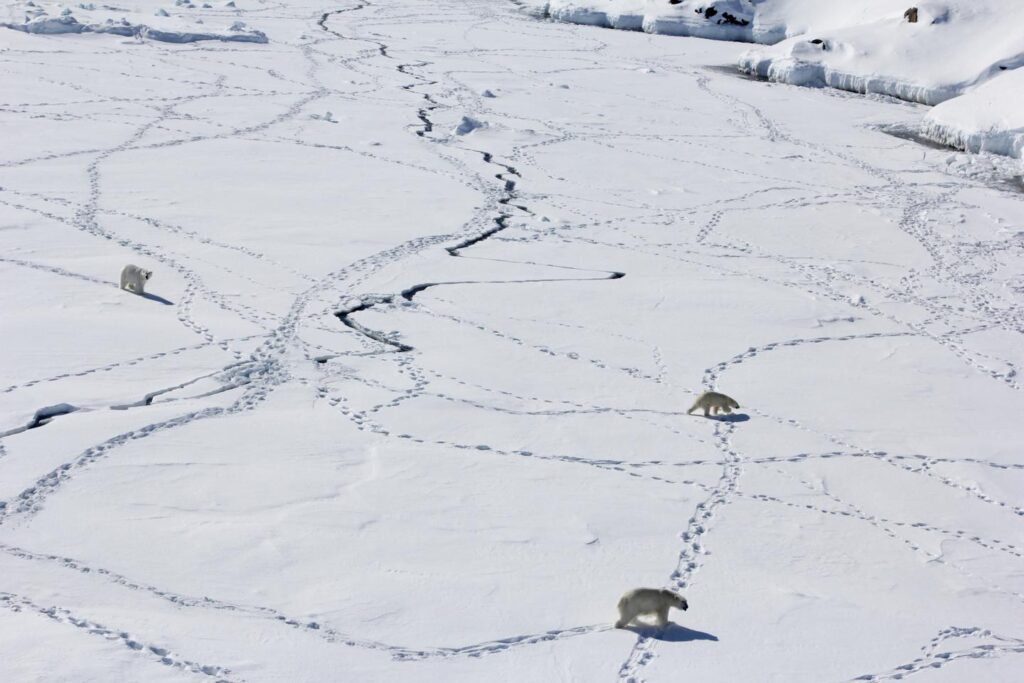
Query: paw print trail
[(153, 652), (698, 526), (317, 339), (309, 628), (932, 658)]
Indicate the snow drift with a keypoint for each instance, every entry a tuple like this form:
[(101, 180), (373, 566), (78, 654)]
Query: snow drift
[(755, 21), (987, 119), (951, 47), (467, 125), (38, 22), (924, 53), (721, 20)]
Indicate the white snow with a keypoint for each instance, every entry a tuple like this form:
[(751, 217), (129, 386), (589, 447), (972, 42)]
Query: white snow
[(989, 118), (760, 21), (722, 19), (867, 46), (402, 405), (64, 23), (159, 25), (953, 46)]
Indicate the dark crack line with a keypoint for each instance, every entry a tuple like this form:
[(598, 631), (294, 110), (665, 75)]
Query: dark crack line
[(509, 195), (411, 292), (344, 316)]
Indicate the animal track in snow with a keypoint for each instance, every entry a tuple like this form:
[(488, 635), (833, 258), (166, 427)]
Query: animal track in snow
[(154, 652)]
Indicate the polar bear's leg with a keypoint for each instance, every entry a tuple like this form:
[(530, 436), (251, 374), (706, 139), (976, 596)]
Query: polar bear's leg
[(626, 615), (662, 616)]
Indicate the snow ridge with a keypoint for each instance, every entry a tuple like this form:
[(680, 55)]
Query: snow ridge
[(47, 25), (989, 119), (949, 48)]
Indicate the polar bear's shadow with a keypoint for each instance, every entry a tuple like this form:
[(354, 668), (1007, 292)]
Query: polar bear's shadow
[(672, 633), (158, 299), (727, 417)]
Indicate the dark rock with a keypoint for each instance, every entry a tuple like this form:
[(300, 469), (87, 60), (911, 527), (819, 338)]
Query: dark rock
[(732, 20)]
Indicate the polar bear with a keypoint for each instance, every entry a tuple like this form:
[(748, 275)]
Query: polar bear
[(133, 279), (648, 601), (713, 400)]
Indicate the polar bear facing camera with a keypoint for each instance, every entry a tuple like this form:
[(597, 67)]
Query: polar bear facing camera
[(133, 279), (648, 601), (712, 400)]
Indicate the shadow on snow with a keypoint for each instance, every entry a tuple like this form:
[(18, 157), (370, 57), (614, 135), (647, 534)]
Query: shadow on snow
[(154, 297), (672, 633)]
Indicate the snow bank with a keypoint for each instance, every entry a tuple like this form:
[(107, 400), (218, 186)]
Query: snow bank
[(249, 36), (41, 417), (754, 21), (44, 415), (868, 46), (722, 19), (952, 46), (50, 25), (990, 118), (168, 29)]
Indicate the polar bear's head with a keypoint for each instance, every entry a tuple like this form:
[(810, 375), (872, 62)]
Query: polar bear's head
[(675, 600), (146, 274)]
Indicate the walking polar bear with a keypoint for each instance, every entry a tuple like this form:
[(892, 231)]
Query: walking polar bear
[(133, 279), (648, 601), (713, 400)]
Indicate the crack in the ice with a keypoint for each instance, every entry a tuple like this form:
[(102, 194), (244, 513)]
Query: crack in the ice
[(508, 195)]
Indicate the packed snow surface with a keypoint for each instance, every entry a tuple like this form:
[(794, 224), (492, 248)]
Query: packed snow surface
[(402, 405), (989, 118)]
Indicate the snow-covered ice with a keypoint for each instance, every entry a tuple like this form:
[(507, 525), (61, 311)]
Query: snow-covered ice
[(402, 405)]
